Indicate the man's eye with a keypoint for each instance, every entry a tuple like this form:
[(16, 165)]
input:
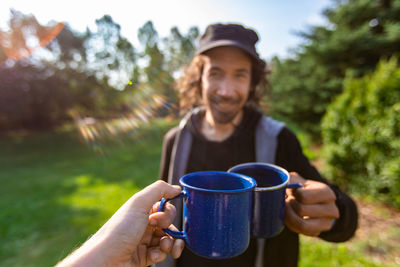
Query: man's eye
[(241, 75)]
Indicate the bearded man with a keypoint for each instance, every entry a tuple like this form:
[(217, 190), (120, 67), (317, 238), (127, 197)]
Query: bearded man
[(224, 126)]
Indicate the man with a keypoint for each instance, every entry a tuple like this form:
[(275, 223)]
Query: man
[(132, 237), (224, 127)]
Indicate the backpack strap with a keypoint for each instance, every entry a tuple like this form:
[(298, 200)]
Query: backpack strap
[(181, 149), (180, 153), (177, 168), (267, 131)]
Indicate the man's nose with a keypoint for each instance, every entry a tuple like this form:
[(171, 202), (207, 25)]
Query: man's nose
[(225, 88)]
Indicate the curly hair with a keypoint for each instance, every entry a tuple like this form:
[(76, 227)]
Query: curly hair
[(190, 84)]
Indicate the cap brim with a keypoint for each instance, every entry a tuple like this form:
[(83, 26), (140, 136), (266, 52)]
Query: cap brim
[(220, 43)]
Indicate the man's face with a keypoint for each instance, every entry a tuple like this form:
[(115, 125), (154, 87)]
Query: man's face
[(225, 82)]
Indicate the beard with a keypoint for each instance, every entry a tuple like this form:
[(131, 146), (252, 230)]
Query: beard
[(225, 115)]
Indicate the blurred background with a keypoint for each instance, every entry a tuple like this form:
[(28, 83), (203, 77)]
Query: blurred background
[(87, 91)]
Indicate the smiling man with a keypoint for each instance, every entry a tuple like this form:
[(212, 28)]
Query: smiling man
[(225, 84), (224, 126)]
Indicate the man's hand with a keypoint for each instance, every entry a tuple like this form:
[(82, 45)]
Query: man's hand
[(310, 209), (133, 236)]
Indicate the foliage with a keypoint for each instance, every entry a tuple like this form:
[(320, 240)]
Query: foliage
[(357, 35), (95, 73), (297, 96), (109, 55), (157, 75), (163, 62), (179, 48), (361, 134)]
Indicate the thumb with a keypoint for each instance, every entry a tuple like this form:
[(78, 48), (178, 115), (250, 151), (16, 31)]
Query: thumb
[(145, 199), (296, 178)]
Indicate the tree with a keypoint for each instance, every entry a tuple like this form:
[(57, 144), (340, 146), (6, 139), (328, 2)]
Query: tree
[(35, 91), (361, 132), (158, 77), (358, 34), (39, 91), (88, 74), (180, 49), (110, 55)]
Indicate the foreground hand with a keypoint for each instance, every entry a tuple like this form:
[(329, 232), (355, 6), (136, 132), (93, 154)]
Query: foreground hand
[(133, 236), (310, 209)]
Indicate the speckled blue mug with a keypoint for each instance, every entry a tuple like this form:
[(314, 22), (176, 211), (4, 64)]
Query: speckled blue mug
[(217, 211), (269, 196)]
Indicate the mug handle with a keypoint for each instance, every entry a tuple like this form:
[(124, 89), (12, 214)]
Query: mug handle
[(294, 185), (163, 202)]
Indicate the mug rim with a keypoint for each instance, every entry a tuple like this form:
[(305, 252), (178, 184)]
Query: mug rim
[(252, 182), (269, 165)]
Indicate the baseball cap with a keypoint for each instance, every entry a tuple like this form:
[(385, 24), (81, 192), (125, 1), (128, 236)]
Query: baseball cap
[(217, 35)]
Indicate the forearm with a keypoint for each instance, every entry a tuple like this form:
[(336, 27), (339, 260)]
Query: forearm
[(91, 253)]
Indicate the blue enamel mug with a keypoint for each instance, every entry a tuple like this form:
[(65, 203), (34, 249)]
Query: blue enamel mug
[(217, 209), (269, 196)]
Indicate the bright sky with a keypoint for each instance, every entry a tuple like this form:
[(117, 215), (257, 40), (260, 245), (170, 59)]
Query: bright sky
[(274, 20)]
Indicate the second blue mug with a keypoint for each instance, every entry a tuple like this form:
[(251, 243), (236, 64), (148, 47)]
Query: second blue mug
[(269, 196), (217, 212)]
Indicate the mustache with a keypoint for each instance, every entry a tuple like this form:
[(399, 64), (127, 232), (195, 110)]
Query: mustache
[(219, 99)]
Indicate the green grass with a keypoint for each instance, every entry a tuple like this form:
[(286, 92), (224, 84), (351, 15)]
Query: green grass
[(315, 252), (56, 191)]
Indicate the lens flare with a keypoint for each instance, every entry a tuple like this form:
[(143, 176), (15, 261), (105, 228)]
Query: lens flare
[(96, 132)]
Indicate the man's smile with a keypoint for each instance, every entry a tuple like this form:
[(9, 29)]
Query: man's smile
[(224, 104)]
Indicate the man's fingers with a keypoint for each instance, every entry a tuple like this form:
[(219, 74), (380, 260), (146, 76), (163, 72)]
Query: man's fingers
[(154, 255), (166, 244), (157, 221), (145, 199), (306, 226), (160, 232), (177, 248), (296, 178), (141, 254), (163, 219), (311, 192), (147, 236), (328, 210), (171, 245), (314, 192), (155, 241)]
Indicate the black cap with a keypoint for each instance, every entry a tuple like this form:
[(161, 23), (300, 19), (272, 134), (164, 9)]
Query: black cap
[(217, 35)]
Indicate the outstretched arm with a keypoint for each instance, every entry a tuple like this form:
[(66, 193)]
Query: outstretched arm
[(133, 236)]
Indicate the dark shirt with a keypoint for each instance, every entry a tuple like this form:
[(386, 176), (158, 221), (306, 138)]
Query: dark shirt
[(283, 249)]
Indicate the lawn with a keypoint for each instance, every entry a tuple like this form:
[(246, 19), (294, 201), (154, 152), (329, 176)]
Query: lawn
[(56, 190)]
